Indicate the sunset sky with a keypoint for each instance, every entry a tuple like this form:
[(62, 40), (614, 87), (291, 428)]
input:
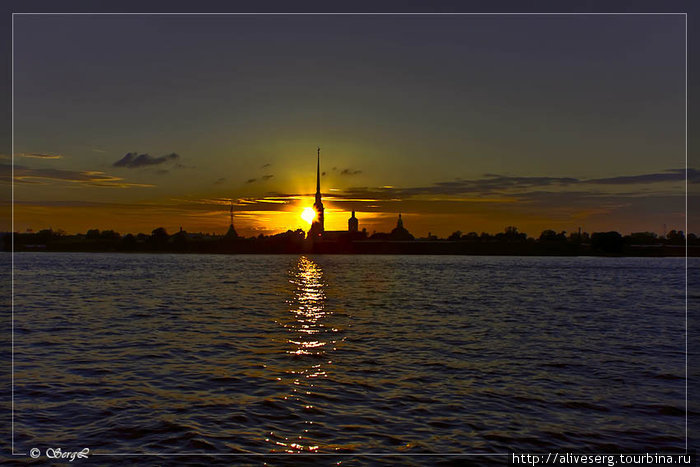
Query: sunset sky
[(459, 122)]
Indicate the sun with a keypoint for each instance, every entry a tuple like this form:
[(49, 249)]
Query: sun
[(308, 214)]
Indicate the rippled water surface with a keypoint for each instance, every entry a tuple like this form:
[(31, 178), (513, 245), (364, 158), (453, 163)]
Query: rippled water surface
[(260, 354)]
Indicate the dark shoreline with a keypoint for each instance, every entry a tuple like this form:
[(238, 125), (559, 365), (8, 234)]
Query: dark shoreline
[(366, 247)]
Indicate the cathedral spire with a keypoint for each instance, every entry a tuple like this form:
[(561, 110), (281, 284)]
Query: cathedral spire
[(318, 173), (317, 226)]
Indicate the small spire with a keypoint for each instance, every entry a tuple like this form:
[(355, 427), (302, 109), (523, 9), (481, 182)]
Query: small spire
[(231, 230)]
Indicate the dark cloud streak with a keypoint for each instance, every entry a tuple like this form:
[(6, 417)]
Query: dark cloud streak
[(671, 175), (34, 155), (85, 177), (132, 161), (493, 184)]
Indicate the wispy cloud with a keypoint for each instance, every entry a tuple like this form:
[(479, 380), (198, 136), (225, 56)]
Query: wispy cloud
[(132, 160), (36, 155), (671, 175), (273, 201), (24, 174), (263, 178), (347, 171), (494, 184), (219, 181)]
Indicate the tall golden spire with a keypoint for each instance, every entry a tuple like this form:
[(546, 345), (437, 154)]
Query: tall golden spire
[(317, 226), (318, 174)]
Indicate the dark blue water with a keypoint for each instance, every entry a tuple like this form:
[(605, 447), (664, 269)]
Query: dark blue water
[(348, 354)]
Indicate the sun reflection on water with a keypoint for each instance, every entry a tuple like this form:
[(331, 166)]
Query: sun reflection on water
[(308, 347), (307, 307)]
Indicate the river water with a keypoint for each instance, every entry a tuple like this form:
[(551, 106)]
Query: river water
[(215, 354)]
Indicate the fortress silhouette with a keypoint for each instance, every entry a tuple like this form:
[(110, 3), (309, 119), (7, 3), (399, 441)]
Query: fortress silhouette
[(356, 241), (318, 231)]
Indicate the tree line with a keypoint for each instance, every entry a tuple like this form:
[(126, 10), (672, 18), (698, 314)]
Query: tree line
[(510, 241)]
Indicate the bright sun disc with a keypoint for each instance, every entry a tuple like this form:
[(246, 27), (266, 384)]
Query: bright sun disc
[(308, 214)]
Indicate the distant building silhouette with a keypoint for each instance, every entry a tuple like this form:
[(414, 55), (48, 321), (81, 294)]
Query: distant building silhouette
[(231, 231), (317, 231), (400, 232), (351, 234), (317, 226), (353, 224)]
